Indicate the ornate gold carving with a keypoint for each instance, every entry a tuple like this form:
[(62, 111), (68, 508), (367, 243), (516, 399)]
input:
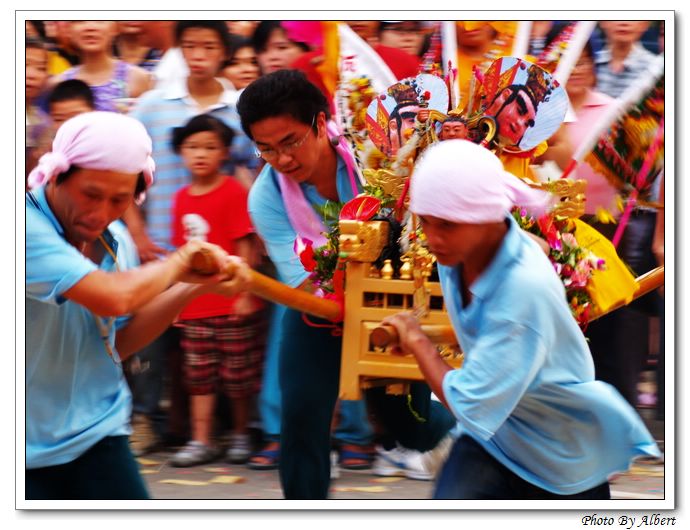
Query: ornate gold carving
[(391, 183), (362, 241), (571, 194)]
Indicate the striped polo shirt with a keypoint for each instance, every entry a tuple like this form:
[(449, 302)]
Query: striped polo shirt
[(160, 111)]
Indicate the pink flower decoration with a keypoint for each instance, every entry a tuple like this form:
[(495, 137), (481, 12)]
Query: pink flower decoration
[(569, 239)]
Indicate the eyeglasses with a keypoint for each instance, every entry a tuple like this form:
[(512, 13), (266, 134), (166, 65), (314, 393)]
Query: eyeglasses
[(289, 149)]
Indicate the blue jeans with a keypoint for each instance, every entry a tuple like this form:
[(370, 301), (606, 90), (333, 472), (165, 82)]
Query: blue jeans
[(353, 427), (472, 473), (269, 397)]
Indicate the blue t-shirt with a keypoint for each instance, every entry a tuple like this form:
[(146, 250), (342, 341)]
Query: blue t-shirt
[(270, 219), (76, 395), (526, 391)]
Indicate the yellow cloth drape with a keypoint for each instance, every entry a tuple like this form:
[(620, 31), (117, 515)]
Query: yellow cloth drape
[(520, 165), (607, 287), (612, 285)]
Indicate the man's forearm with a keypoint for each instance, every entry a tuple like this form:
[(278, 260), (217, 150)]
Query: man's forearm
[(154, 318), (432, 366), (121, 293)]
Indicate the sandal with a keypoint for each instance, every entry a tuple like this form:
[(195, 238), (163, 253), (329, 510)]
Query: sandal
[(269, 457), (356, 457)]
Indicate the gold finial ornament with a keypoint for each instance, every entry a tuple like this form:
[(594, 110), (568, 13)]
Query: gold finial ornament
[(406, 270), (387, 270)]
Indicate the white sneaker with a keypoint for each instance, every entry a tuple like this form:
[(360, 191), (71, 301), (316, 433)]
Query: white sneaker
[(401, 462), (436, 457), (240, 448), (194, 453), (335, 468)]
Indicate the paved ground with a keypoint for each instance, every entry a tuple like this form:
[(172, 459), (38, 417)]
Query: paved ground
[(221, 480)]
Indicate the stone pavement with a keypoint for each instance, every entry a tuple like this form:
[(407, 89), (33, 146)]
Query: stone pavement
[(220, 480)]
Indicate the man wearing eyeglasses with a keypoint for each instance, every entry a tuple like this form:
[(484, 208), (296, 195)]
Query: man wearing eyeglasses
[(307, 164)]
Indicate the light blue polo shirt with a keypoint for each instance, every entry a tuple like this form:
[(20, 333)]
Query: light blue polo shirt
[(526, 391), (75, 394), (270, 219)]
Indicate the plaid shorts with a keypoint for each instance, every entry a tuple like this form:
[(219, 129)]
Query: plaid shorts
[(228, 348)]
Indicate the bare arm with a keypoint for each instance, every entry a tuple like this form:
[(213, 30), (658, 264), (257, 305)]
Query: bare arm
[(140, 81), (148, 250), (247, 303), (414, 341), (120, 293), (156, 316)]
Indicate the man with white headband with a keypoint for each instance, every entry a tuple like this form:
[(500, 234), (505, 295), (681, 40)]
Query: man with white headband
[(532, 421), (87, 308)]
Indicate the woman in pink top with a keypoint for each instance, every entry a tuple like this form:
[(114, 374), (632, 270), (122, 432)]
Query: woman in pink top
[(589, 106)]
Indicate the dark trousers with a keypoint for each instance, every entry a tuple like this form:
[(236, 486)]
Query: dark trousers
[(414, 421), (619, 341), (472, 473), (106, 471), (309, 374), (146, 373)]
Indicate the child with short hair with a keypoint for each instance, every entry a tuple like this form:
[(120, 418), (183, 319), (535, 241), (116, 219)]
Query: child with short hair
[(69, 98), (37, 122), (222, 339)]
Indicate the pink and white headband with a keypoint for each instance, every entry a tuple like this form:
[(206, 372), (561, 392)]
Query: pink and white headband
[(97, 140), (462, 182)]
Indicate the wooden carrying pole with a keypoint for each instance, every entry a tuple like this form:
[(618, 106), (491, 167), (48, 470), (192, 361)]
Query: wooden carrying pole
[(386, 335), (273, 290)]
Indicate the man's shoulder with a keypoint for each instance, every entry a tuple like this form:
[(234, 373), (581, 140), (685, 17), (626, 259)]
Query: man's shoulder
[(265, 186), (153, 101), (640, 56), (36, 219)]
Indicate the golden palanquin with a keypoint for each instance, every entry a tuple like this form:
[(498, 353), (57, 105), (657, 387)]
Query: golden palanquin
[(370, 296)]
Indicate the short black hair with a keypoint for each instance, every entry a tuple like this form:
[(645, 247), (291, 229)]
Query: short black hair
[(455, 118), (388, 24), (214, 25), (285, 92), (36, 43), (69, 90), (40, 28), (263, 31), (62, 177), (237, 43), (202, 123)]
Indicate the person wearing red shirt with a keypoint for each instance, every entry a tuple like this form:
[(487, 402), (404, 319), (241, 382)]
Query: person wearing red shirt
[(222, 338)]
